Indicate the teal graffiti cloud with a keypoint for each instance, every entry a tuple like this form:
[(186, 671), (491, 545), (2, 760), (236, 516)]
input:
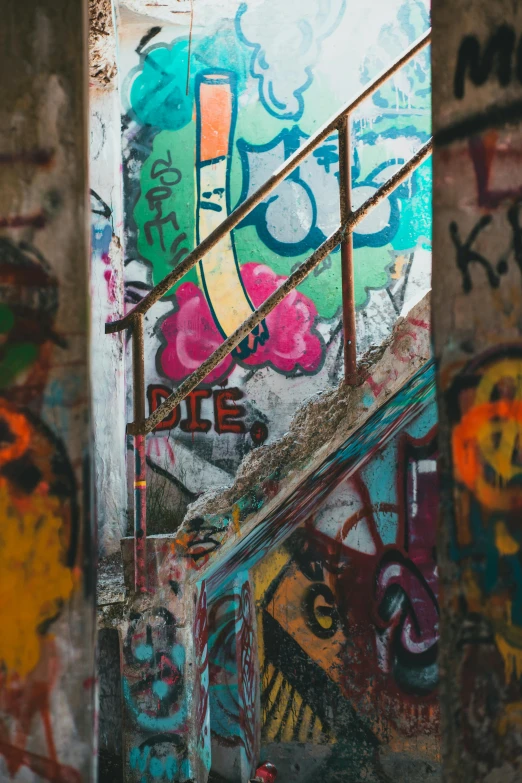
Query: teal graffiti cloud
[(159, 94)]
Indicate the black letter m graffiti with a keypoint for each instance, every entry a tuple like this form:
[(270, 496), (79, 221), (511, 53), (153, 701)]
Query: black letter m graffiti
[(498, 52)]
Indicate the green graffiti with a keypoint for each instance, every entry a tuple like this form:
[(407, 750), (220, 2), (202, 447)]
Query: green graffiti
[(165, 210), (15, 357), (6, 319)]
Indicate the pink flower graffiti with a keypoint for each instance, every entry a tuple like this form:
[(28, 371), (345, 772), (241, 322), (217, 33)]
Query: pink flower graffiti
[(191, 334)]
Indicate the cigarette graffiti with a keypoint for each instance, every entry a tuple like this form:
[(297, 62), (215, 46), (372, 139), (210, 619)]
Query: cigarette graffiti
[(219, 269)]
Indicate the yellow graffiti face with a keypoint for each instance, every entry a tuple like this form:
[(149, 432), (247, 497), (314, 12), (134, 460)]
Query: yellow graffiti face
[(34, 581), (498, 438), (488, 440)]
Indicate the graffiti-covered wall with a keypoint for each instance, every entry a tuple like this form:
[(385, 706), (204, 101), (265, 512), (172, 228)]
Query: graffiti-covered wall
[(478, 344), (348, 624), (214, 99), (47, 578)]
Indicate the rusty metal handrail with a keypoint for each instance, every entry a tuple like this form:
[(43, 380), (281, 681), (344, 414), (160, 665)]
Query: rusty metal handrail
[(147, 425), (252, 201), (343, 236)]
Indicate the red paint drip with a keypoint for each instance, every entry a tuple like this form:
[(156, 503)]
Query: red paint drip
[(111, 285)]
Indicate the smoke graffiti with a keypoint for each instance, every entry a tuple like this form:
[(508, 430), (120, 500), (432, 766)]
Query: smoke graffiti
[(286, 40)]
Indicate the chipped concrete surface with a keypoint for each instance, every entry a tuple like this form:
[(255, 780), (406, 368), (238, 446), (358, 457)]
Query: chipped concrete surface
[(326, 420), (102, 44), (110, 591)]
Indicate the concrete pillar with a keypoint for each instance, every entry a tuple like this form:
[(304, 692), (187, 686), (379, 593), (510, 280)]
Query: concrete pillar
[(47, 584), (166, 733), (235, 721), (477, 316), (106, 281), (110, 700)]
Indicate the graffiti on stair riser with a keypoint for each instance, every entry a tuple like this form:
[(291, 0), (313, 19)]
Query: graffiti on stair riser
[(205, 125), (234, 676), (155, 697), (200, 700), (356, 589)]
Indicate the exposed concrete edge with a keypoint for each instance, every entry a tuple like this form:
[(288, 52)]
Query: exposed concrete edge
[(102, 44), (268, 475)]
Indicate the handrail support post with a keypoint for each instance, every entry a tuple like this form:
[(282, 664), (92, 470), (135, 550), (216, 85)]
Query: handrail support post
[(140, 464), (348, 284)]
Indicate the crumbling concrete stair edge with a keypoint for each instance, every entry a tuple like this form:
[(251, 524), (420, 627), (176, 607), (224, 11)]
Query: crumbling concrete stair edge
[(386, 368), (271, 473)]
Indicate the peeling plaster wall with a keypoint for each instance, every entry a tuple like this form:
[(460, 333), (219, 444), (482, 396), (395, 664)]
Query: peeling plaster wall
[(478, 343), (176, 117)]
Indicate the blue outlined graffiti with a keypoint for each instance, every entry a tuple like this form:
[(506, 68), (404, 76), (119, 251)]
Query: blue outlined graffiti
[(286, 221), (283, 66), (304, 210)]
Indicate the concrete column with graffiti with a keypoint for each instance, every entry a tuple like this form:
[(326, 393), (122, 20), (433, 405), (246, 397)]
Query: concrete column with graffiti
[(234, 681), (106, 282), (46, 539), (478, 342), (166, 732)]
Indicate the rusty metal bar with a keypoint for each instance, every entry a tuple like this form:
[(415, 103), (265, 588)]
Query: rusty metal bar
[(248, 205), (147, 425), (348, 284), (140, 465)]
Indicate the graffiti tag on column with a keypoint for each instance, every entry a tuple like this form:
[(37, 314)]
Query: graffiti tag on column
[(41, 522), (495, 59), (466, 254)]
